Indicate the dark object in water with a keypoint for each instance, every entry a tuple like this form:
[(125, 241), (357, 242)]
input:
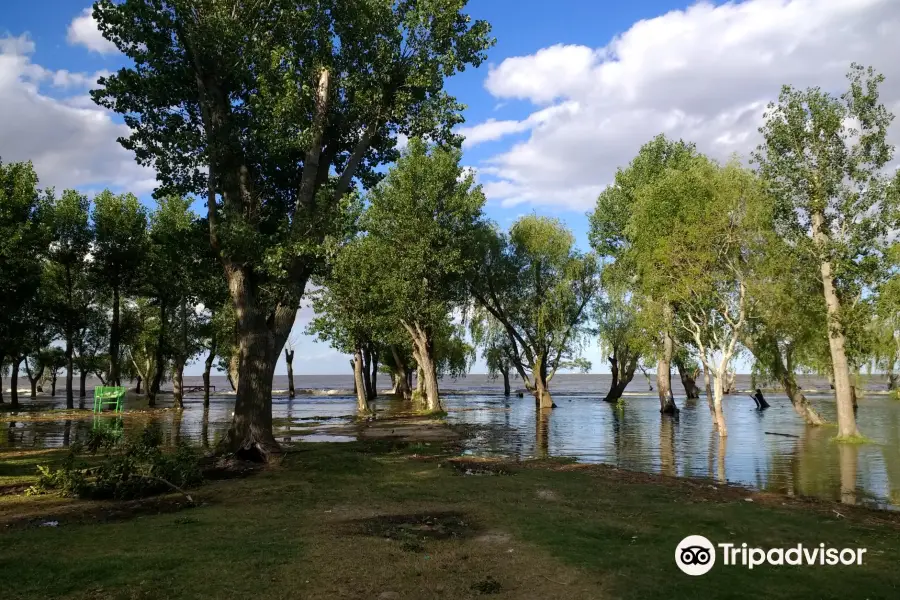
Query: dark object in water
[(761, 403), (791, 435), (520, 395)]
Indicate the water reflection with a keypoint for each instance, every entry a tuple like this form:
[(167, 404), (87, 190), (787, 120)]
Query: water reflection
[(772, 451)]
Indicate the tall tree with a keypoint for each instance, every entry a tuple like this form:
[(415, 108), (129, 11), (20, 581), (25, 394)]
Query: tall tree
[(610, 237), (538, 286), (497, 352), (696, 237), (285, 103), (171, 276), (622, 339), (71, 235), (120, 245), (421, 223), (352, 314), (823, 158), (23, 244)]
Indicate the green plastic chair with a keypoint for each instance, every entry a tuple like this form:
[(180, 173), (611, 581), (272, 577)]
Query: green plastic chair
[(108, 396)]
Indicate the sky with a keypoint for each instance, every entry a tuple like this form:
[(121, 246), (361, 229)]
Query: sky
[(569, 93)]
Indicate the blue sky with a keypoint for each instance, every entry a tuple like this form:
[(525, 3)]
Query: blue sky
[(570, 92)]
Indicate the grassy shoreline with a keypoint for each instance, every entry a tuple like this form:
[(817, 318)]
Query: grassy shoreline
[(389, 519)]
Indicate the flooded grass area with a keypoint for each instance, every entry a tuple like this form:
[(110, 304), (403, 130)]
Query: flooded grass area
[(770, 451), (379, 519)]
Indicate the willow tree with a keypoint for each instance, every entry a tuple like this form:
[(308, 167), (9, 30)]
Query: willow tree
[(823, 158), (422, 222), (611, 239), (698, 232), (497, 352), (272, 110), (538, 286)]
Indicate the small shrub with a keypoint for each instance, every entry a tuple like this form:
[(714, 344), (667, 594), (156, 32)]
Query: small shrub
[(129, 470)]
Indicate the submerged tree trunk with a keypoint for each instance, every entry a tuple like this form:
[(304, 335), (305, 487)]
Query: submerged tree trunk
[(688, 380), (53, 385), (402, 375), (207, 368), (836, 339), (289, 360), (137, 388), (155, 385), (362, 403), (541, 387), (14, 382), (709, 395), (505, 373), (178, 384), (82, 387), (113, 376), (664, 377), (423, 351), (622, 366), (719, 390), (70, 372), (33, 378)]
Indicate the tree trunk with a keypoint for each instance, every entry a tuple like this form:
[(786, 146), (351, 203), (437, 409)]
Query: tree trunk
[(505, 373), (250, 434), (709, 395), (82, 388), (373, 383), (719, 387), (622, 374), (402, 375), (1, 379), (289, 360), (664, 376), (137, 388), (207, 368), (53, 385), (419, 394), (362, 404), (423, 349), (234, 369), (154, 387), (836, 340), (33, 378), (14, 382), (178, 384), (70, 371), (541, 388), (691, 390), (113, 376)]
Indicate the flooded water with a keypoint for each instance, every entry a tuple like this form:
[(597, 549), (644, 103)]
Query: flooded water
[(772, 451)]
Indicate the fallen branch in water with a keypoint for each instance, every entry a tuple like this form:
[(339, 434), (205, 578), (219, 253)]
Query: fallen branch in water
[(790, 435)]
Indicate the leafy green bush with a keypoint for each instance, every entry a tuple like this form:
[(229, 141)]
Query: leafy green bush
[(129, 470)]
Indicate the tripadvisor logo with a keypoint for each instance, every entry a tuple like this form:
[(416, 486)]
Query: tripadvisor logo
[(696, 555)]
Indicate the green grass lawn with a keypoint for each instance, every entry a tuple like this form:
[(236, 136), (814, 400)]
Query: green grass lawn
[(368, 520)]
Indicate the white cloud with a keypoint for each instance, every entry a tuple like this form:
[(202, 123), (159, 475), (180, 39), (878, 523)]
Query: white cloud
[(703, 74), (71, 141), (83, 32)]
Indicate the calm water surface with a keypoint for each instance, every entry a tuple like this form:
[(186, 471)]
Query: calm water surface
[(771, 451)]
